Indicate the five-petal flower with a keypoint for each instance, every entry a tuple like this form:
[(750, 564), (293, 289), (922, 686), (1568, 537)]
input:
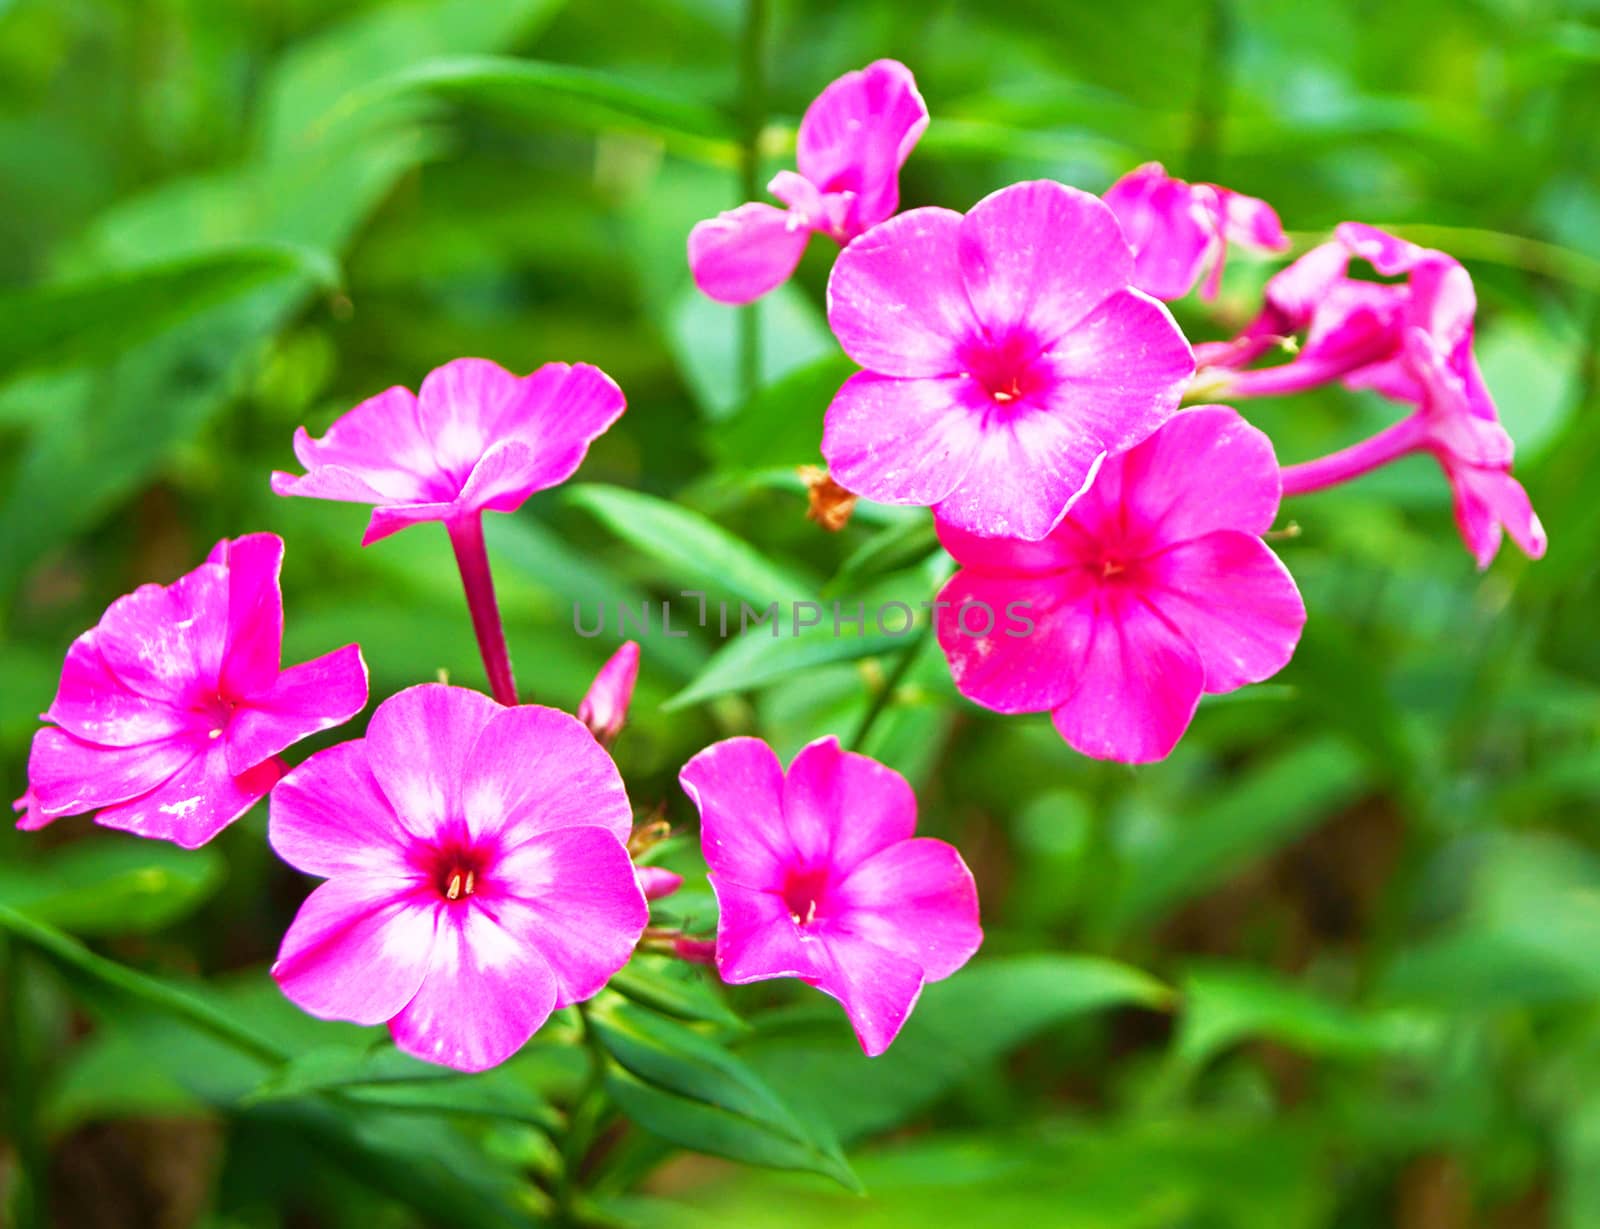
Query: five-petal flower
[(819, 876), (476, 874), (1006, 356), (475, 438), (172, 710), (1155, 588)]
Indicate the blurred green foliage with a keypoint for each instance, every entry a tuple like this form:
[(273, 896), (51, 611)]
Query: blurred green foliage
[(1335, 963)]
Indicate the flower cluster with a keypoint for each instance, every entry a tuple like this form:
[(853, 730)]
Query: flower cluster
[(1021, 376)]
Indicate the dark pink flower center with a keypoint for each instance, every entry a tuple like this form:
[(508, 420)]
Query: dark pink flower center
[(215, 713), (1009, 370), (456, 870), (805, 893)]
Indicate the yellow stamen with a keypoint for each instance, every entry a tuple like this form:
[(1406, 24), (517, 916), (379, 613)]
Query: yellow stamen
[(453, 889)]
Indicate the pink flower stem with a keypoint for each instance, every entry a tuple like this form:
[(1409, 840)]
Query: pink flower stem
[(472, 557), (1286, 378), (1388, 445)]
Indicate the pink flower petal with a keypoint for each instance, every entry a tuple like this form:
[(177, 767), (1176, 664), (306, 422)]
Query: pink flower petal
[(1171, 237), (896, 299), (316, 695), (1487, 501), (1040, 256), (840, 807), (459, 410), (329, 817), (1251, 222), (857, 134), (1017, 674), (358, 949), (1205, 469), (91, 703), (196, 803), (485, 993), (1234, 601), (572, 895), (253, 650), (417, 745), (1014, 556), (744, 253), (377, 451), (876, 987), (1029, 464), (389, 519), (1137, 687), (916, 899), (562, 409), (737, 785), (903, 441), (167, 642), (67, 775), (757, 939), (533, 770)]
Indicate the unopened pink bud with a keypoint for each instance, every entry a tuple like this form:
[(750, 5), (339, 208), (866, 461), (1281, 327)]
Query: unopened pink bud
[(605, 708), (658, 882)]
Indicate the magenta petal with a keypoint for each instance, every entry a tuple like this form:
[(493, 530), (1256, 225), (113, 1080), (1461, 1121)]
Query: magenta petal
[(459, 410), (903, 441), (1029, 464), (876, 987), (1023, 673), (358, 949), (857, 134), (896, 300), (1137, 687), (67, 775), (917, 900), (328, 817), (254, 647), (1041, 256), (1014, 556), (1251, 222), (91, 703), (562, 409), (315, 695), (508, 472), (572, 895), (604, 707), (417, 744), (389, 519), (1120, 372), (534, 770), (840, 807), (1205, 469), (757, 939), (485, 993), (744, 253), (378, 446), (167, 642), (196, 803), (737, 786), (1487, 501), (1233, 599)]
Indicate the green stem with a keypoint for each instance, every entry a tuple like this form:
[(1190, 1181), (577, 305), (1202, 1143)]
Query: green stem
[(753, 118), (885, 696), (30, 1198), (1205, 136)]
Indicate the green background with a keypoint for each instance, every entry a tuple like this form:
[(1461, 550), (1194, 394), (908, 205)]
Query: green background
[(1335, 963)]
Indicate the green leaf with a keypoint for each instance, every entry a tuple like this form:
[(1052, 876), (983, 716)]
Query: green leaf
[(1222, 1006), (758, 658), (673, 989), (781, 426), (1269, 805), (694, 551), (388, 1078), (107, 980), (561, 94), (958, 1027), (690, 1090), (893, 547), (92, 319), (112, 884), (704, 337)]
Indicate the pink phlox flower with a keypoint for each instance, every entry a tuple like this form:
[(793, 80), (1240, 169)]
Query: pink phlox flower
[(819, 876), (1180, 230), (475, 438), (1006, 356), (604, 707), (172, 710), (476, 874), (1154, 589), (853, 141)]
